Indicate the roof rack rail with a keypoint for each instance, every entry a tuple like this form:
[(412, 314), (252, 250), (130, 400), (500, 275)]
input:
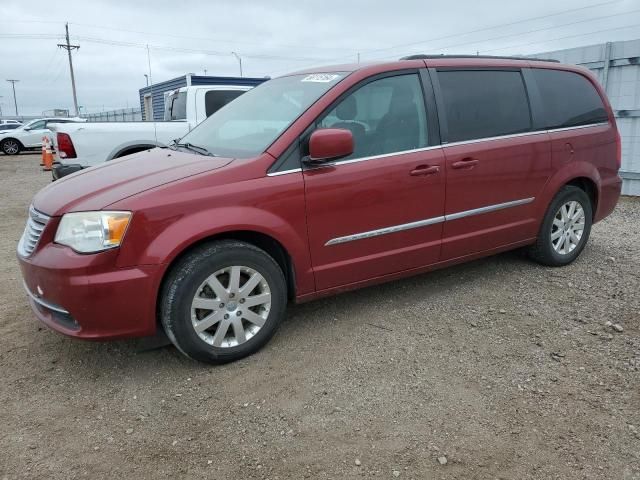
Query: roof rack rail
[(421, 56)]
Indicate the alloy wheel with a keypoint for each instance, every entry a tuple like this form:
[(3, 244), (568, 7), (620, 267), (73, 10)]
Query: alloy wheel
[(567, 227), (10, 147), (231, 306)]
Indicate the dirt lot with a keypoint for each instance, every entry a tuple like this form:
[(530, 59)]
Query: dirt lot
[(503, 367)]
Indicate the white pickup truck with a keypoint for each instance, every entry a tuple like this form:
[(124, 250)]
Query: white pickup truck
[(78, 146)]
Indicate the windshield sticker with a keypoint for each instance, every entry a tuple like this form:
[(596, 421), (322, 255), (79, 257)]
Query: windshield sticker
[(321, 77)]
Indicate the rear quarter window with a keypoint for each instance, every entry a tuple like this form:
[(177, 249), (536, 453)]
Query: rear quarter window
[(484, 103), (214, 100), (568, 99)]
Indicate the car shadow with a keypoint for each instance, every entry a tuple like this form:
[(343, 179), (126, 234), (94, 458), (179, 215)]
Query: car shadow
[(135, 354)]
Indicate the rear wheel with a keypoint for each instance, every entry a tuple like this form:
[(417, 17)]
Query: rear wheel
[(565, 229), (223, 301), (10, 146)]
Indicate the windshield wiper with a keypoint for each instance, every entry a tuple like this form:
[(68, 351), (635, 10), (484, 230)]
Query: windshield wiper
[(193, 148)]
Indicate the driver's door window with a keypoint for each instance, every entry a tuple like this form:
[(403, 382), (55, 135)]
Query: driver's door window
[(33, 137), (385, 116), (37, 126)]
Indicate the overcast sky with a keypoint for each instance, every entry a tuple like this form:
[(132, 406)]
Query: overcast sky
[(272, 37)]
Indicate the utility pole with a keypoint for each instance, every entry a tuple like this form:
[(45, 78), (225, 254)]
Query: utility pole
[(15, 102), (239, 61), (68, 47), (1, 96), (146, 77)]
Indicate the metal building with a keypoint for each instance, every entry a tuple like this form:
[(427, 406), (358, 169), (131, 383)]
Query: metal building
[(152, 96), (617, 66)]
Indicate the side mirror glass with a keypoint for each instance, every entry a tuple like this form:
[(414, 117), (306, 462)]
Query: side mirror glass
[(326, 144)]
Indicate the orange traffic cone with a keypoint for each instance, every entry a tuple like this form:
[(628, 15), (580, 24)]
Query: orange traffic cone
[(47, 154)]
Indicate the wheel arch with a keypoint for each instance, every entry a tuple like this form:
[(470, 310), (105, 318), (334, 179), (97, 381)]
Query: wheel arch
[(587, 185), (13, 138), (129, 148), (265, 242), (132, 149), (583, 175)]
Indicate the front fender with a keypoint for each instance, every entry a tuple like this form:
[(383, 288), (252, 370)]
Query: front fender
[(158, 234)]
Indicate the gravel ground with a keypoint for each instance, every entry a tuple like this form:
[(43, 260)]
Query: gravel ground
[(499, 368)]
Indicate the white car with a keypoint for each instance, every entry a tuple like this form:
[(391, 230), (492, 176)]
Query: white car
[(9, 124), (29, 136)]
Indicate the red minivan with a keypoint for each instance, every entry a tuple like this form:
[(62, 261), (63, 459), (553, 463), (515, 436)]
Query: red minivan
[(319, 182)]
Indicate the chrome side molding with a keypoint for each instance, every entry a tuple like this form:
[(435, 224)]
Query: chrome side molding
[(428, 221), (488, 208), (386, 230)]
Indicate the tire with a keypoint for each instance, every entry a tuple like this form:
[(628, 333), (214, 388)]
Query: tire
[(10, 146), (556, 245), (235, 331)]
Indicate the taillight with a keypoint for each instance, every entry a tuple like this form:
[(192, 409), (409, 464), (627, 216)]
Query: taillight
[(65, 146), (618, 150)]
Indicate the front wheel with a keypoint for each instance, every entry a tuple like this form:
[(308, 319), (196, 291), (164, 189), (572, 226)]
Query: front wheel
[(565, 228), (10, 146), (223, 301)]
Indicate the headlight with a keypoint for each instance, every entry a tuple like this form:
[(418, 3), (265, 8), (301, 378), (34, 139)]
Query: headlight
[(88, 232)]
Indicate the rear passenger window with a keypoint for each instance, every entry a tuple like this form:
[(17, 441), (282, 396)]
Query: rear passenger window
[(484, 103), (569, 99), (214, 100), (385, 116)]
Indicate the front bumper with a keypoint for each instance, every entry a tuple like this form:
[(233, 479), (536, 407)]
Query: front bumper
[(87, 296), (610, 190)]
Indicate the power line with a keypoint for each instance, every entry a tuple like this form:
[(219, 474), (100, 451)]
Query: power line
[(55, 75), (168, 48), (503, 25), (635, 25), (469, 32), (531, 31), (173, 35), (31, 36), (593, 32)]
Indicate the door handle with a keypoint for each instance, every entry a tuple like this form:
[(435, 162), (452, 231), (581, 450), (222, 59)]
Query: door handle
[(465, 163), (423, 170)]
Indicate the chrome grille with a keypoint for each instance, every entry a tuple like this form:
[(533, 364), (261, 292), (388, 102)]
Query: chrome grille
[(35, 225)]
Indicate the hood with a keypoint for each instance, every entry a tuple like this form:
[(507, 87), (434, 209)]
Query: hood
[(97, 187)]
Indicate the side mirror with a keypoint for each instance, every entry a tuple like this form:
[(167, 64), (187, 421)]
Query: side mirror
[(326, 144)]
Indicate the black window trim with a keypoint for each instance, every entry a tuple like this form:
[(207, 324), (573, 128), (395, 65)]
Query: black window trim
[(291, 159), (442, 116)]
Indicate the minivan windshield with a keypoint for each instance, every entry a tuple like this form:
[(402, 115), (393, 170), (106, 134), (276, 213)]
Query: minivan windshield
[(247, 126)]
